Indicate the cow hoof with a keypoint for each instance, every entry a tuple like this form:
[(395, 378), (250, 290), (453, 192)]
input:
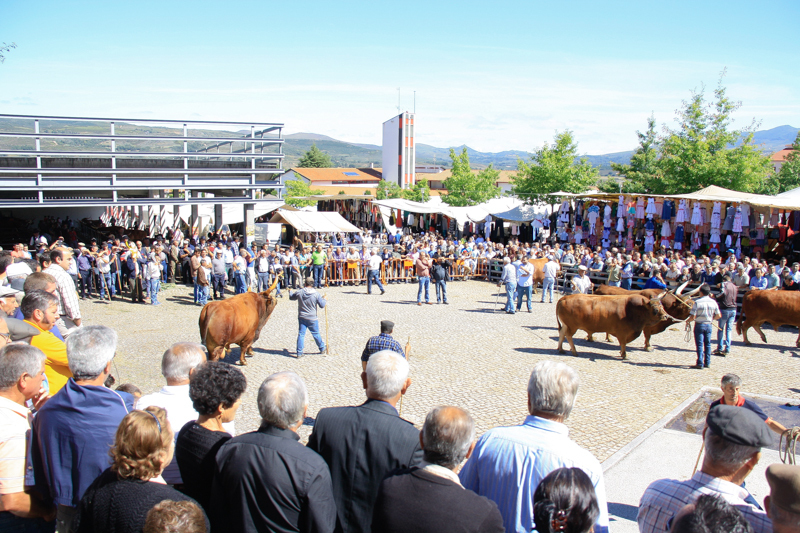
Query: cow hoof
[(560, 350), (748, 343), (647, 349), (242, 362), (624, 356)]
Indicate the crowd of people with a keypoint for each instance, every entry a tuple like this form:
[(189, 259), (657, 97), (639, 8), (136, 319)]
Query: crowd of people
[(78, 454)]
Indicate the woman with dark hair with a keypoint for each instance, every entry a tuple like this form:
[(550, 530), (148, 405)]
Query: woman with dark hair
[(120, 498), (216, 390), (565, 501)]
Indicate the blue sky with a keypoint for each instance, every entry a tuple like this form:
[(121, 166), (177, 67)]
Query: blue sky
[(492, 75)]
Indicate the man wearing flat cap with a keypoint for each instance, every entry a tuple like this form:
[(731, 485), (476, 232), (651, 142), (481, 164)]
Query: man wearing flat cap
[(384, 341), (733, 441), (783, 502)]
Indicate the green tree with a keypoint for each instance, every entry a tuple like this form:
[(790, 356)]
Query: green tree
[(788, 177), (702, 151), (298, 188), (553, 168), (643, 173), (314, 158), (419, 192), (464, 187), (388, 190), (4, 48)]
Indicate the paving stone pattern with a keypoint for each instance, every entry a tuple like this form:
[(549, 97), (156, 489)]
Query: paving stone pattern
[(468, 353)]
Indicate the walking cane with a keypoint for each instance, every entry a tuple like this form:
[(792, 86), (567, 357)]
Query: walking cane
[(699, 455), (327, 343), (408, 353)]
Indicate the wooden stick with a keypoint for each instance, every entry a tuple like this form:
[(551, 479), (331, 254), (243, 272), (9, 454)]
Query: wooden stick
[(408, 353), (327, 344), (699, 455)]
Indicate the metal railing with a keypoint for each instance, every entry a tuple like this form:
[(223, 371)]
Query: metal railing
[(140, 157)]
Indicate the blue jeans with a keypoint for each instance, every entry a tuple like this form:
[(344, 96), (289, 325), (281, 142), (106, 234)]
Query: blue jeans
[(511, 291), (155, 285), (426, 283), (196, 289), (318, 272), (625, 283), (614, 283), (548, 284), (313, 327), (107, 282), (524, 291), (726, 325), (441, 285), (219, 285), (263, 281), (239, 283), (12, 523), (374, 277), (702, 339), (202, 294)]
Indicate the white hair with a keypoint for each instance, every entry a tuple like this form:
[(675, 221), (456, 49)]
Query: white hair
[(19, 359), (89, 350), (387, 372), (552, 388), (282, 399), (180, 359), (447, 434)]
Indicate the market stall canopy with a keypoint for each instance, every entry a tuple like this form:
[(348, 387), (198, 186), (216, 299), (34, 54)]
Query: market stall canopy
[(231, 213), (475, 213), (322, 197), (318, 222), (524, 213)]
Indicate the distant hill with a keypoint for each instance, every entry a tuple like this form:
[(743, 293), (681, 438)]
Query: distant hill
[(343, 154)]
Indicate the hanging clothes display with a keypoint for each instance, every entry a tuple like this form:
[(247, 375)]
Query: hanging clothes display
[(737, 220), (729, 214), (651, 207), (621, 207), (716, 215), (697, 218), (665, 229), (640, 207), (681, 216), (667, 210), (649, 240), (678, 241), (620, 225)]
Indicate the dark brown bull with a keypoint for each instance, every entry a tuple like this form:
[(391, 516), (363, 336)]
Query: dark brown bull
[(237, 320), (776, 307), (676, 305), (623, 316)]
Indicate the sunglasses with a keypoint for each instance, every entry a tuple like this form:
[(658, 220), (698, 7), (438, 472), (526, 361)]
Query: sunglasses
[(6, 336)]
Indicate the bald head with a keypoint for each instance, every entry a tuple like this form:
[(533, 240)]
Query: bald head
[(448, 436)]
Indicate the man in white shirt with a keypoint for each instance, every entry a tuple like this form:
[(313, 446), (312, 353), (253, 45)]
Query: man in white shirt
[(550, 270), (374, 275), (68, 307), (524, 281), (177, 365), (581, 283)]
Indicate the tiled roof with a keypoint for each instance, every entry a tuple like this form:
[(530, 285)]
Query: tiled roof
[(504, 177), (780, 155), (335, 174)]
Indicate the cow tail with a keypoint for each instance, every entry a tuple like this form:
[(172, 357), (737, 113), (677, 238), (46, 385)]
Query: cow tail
[(738, 325), (218, 353), (557, 320)]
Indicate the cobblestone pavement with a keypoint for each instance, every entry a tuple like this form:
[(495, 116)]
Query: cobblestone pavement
[(464, 354)]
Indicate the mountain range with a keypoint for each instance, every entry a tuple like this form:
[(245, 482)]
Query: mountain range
[(344, 154)]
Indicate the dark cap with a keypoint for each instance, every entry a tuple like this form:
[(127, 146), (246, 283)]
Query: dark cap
[(784, 486), (738, 425), (388, 325)]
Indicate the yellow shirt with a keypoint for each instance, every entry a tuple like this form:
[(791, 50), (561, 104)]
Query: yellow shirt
[(56, 367)]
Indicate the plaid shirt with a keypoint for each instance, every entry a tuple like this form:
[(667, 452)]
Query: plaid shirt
[(65, 289), (665, 497), (384, 341)]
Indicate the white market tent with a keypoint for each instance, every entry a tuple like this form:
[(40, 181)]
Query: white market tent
[(231, 213), (314, 221), (475, 213), (788, 200)]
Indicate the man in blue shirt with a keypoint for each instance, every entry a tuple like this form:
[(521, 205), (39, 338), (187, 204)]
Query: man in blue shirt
[(509, 279), (381, 342), (509, 462), (656, 282), (72, 433)]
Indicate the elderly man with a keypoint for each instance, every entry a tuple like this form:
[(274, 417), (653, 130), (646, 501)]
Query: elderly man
[(40, 310), (177, 365), (524, 282), (731, 386), (363, 444), (733, 441), (68, 306), (72, 433), (509, 462), (381, 342), (509, 280), (783, 502), (8, 300), (423, 266), (727, 310), (581, 283), (20, 382), (219, 274), (430, 497), (266, 480)]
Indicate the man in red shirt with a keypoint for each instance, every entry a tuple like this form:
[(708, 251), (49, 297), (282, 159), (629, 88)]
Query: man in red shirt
[(731, 384)]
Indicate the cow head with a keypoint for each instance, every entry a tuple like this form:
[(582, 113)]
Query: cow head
[(657, 309), (269, 299), (682, 303)]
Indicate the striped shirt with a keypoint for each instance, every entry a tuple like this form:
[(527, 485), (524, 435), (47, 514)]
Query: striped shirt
[(67, 295), (704, 310), (14, 424), (665, 497), (509, 462)]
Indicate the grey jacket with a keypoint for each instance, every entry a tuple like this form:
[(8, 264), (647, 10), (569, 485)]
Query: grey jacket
[(308, 299)]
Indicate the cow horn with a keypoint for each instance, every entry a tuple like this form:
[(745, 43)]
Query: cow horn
[(680, 289), (692, 293), (660, 296), (272, 287)]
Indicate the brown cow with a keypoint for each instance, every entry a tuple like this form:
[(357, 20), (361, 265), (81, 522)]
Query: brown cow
[(623, 316), (237, 320), (676, 305), (538, 272), (776, 307)]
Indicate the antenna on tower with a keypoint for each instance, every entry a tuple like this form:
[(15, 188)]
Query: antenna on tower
[(415, 102), (398, 99)]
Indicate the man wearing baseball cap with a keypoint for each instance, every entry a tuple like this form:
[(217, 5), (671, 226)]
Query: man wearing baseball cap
[(783, 502), (733, 441)]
